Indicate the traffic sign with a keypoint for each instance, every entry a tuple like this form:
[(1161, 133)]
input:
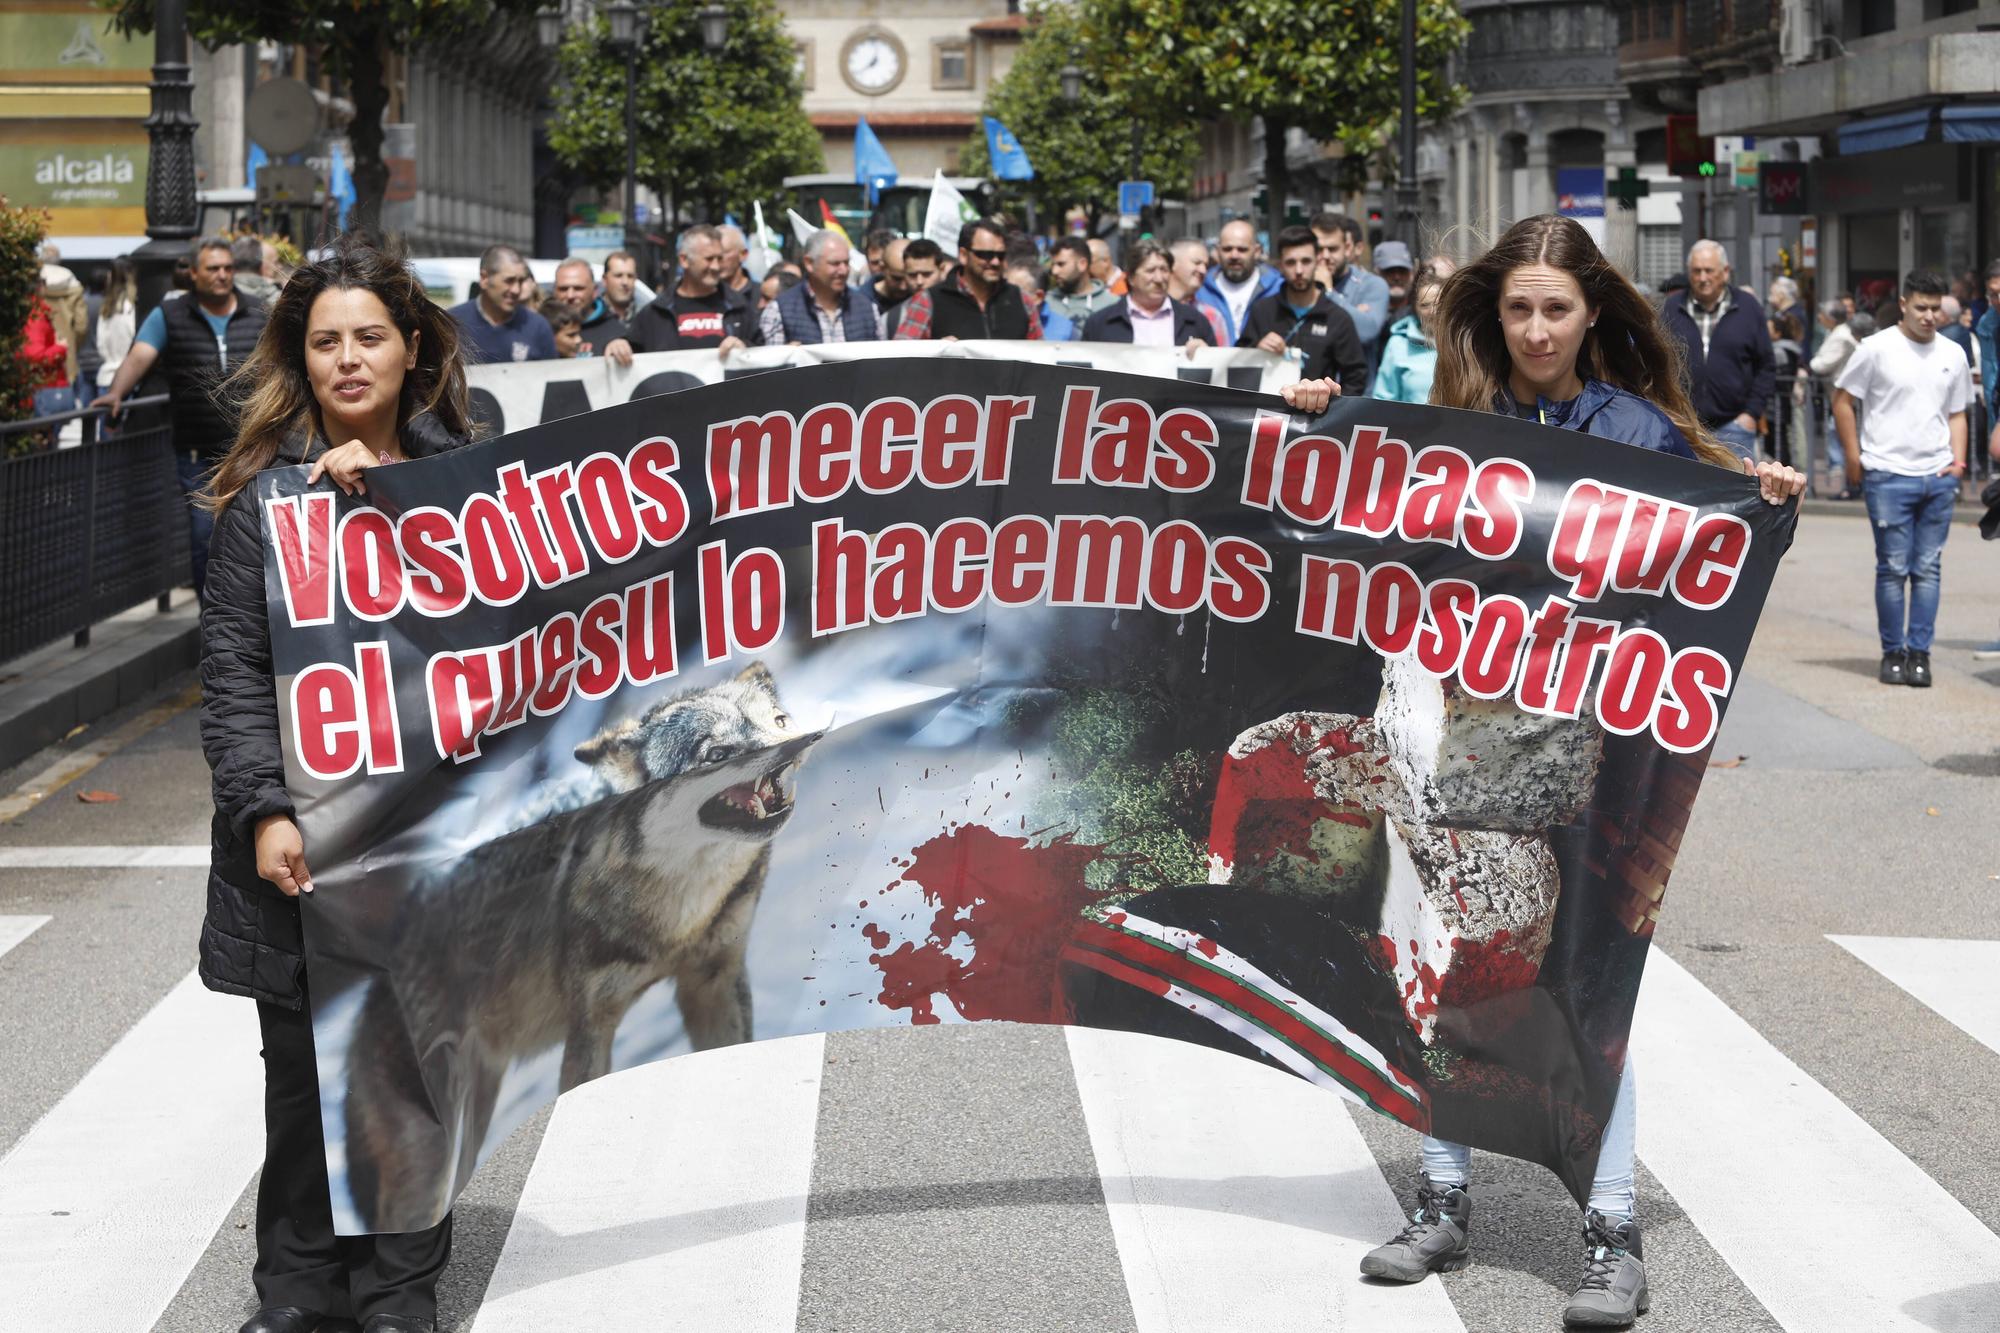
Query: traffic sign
[(1134, 196)]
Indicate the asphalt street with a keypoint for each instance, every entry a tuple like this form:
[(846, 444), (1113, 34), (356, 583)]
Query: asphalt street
[(984, 1177)]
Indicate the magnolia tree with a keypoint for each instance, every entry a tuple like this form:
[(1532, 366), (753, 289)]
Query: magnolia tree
[(716, 130), (1332, 70), (1080, 149)]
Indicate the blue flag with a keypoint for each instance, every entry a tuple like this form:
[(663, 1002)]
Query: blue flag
[(1010, 160), (873, 167), (256, 159), (340, 186)]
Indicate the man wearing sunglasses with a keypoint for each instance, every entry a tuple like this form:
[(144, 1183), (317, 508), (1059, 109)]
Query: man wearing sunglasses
[(974, 300)]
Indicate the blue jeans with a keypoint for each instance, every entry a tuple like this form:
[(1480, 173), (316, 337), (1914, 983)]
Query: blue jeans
[(1744, 442), (1611, 1193), (194, 475), (1911, 517)]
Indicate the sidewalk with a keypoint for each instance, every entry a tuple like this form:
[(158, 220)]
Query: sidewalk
[(46, 694)]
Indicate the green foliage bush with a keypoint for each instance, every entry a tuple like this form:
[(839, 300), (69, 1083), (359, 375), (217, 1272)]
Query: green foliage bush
[(21, 232)]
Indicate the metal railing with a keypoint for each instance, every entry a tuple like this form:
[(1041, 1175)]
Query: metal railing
[(89, 530), (1799, 434)]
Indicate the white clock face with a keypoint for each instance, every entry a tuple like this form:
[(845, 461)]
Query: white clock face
[(874, 64)]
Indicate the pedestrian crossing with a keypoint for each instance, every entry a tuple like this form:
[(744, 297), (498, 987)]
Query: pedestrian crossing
[(1237, 1198)]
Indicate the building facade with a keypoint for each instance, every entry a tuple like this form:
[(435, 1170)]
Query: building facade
[(1894, 105), (1548, 122), (919, 70)]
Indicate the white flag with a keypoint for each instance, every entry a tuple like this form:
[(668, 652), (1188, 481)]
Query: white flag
[(800, 227), (946, 213), (764, 248)]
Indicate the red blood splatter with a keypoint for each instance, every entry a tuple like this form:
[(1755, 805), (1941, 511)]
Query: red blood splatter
[(1482, 969), (878, 938), (1015, 904), (1205, 946), (1265, 804)]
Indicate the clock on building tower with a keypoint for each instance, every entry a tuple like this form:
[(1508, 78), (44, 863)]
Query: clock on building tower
[(873, 62)]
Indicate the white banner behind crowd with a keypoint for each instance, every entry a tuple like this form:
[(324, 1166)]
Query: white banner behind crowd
[(512, 396)]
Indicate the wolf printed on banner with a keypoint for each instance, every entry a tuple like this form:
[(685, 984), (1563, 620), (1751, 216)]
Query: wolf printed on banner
[(560, 926)]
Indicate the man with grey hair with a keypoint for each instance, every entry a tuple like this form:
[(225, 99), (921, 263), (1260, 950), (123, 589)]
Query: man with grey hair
[(1731, 368), (734, 249), (497, 323), (597, 327), (699, 312), (826, 307), (198, 339)]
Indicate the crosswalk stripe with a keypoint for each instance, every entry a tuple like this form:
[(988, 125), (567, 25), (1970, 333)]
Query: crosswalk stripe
[(171, 855), (670, 1195), (1734, 1130), (14, 929), (108, 1202), (1240, 1197), (1958, 979)]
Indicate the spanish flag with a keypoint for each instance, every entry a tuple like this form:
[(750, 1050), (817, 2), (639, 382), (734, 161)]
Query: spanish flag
[(833, 223)]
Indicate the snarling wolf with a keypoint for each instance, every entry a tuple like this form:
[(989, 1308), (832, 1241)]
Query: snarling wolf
[(549, 934)]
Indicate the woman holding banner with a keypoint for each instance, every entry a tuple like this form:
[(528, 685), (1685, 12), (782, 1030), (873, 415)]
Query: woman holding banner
[(356, 369), (1543, 327)]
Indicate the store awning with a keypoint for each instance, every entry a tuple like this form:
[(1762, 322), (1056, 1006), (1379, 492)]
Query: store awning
[(1898, 130), (1972, 124)]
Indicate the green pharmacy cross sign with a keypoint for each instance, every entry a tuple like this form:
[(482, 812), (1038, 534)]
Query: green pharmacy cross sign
[(1629, 188)]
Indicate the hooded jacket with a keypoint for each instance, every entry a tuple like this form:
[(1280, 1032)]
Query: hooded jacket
[(1409, 363), (1210, 295), (250, 941), (1608, 413), (601, 328), (1082, 305)]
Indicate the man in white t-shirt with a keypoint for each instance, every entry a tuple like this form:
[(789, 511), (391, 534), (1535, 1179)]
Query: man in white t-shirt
[(1907, 457)]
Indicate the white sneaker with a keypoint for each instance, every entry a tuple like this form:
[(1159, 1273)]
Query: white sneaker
[(1986, 652)]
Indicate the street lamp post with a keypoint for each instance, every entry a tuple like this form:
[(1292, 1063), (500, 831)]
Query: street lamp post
[(172, 215), (1407, 191), (628, 22), (623, 16)]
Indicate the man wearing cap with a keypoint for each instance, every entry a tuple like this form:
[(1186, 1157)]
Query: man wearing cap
[(1394, 266)]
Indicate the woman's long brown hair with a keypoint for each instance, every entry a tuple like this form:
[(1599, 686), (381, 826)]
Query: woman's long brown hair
[(1629, 349), (272, 394)]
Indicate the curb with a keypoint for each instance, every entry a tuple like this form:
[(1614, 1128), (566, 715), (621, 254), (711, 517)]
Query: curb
[(50, 692)]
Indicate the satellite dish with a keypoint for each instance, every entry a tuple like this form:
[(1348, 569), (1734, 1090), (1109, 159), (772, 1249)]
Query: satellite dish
[(283, 116)]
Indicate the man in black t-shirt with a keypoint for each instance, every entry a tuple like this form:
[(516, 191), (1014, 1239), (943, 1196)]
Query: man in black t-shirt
[(699, 312)]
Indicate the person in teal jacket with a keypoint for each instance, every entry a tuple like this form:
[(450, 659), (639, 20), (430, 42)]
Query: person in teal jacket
[(1409, 357)]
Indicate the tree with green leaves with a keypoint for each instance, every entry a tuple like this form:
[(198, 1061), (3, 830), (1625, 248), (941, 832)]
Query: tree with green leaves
[(1331, 70), (717, 130), (1081, 149), (355, 39)]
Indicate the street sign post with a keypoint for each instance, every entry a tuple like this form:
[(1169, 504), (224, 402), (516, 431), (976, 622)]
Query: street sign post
[(1134, 196)]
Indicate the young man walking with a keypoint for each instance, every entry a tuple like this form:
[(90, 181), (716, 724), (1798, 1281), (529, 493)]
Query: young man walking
[(1907, 458)]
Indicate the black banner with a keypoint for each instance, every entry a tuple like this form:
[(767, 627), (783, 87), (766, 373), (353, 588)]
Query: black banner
[(907, 692)]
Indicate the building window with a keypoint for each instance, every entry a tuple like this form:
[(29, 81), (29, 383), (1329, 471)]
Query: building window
[(1877, 16), (802, 61), (951, 63)]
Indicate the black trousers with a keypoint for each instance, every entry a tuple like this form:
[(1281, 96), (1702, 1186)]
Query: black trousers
[(299, 1259)]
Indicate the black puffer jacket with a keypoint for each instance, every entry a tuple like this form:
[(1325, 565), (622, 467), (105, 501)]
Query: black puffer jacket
[(250, 940)]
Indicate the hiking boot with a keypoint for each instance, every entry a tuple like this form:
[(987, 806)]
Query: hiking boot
[(1917, 669), (1892, 670), (1438, 1238), (1612, 1292)]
